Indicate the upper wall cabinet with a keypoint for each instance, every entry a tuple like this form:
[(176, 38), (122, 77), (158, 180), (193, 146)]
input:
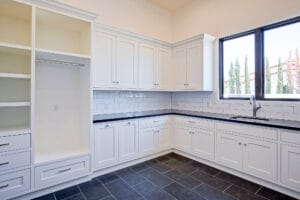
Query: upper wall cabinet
[(15, 22), (60, 33), (115, 62), (154, 67), (193, 64)]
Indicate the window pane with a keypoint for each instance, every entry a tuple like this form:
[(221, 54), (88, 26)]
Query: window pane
[(282, 62), (238, 67)]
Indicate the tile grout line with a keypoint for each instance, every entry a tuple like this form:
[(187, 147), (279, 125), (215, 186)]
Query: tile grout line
[(106, 187), (258, 190), (81, 192)]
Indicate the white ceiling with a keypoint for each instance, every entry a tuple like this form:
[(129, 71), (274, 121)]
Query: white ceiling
[(171, 4)]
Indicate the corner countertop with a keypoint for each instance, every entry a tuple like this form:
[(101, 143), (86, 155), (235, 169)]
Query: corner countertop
[(275, 123)]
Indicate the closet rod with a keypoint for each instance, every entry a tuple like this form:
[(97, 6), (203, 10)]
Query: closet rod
[(60, 62)]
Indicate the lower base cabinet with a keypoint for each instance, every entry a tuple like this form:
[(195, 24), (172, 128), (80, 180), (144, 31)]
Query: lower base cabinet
[(59, 172), (15, 183), (290, 166), (255, 157)]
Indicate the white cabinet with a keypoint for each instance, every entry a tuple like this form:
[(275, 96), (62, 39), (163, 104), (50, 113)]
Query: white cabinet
[(163, 138), (128, 140), (115, 62), (193, 64), (290, 165), (248, 155), (183, 139), (203, 143), (154, 68), (229, 150), (126, 63), (146, 141), (105, 145)]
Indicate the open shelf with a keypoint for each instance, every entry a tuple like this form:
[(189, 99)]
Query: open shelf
[(14, 104), (16, 76), (14, 90), (14, 118), (57, 32), (22, 129), (14, 60), (15, 22)]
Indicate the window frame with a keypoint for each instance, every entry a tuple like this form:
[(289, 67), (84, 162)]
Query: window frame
[(259, 61)]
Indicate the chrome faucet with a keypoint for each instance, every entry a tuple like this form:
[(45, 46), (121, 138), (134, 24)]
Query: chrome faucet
[(255, 108)]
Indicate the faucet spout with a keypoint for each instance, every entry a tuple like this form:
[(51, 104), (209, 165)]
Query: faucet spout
[(255, 108)]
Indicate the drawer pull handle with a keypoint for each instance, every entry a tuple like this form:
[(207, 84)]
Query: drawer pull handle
[(6, 163), (106, 125), (240, 143), (128, 123), (4, 186), (2, 145), (63, 170)]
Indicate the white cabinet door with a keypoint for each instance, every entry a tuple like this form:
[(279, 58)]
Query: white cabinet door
[(147, 62), (163, 138), (126, 63), (163, 69), (290, 166), (104, 60), (194, 66), (203, 143), (229, 150), (146, 141), (260, 158), (128, 140), (180, 67), (183, 139), (105, 146)]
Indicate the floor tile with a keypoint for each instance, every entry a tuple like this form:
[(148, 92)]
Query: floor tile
[(211, 171), (107, 178), (242, 183), (211, 193), (198, 165), (75, 197), (158, 194), (182, 193), (161, 167), (187, 168), (210, 180), (93, 190), (179, 158), (46, 197), (108, 198), (130, 176), (155, 177), (273, 195), (163, 158), (140, 167), (122, 190), (242, 194), (172, 163), (71, 191), (145, 188), (183, 179)]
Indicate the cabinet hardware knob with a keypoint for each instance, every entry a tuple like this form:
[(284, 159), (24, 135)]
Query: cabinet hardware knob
[(245, 144), (240, 143), (106, 125), (63, 170), (2, 145), (128, 123), (4, 186), (6, 163)]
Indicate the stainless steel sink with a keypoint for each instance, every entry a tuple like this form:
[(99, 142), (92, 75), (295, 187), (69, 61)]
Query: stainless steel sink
[(249, 118)]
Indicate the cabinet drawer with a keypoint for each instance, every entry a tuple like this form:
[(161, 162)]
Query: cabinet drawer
[(194, 122), (250, 130), (15, 183), (290, 136), (15, 160), (14, 142), (58, 172), (154, 121)]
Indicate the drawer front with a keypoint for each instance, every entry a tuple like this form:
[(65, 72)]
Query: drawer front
[(154, 121), (55, 173), (249, 130), (194, 122), (11, 185), (15, 160), (290, 136), (14, 142)]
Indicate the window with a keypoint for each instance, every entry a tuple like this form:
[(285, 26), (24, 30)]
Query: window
[(264, 62)]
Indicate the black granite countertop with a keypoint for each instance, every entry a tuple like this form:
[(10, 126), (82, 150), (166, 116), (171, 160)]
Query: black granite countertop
[(275, 123)]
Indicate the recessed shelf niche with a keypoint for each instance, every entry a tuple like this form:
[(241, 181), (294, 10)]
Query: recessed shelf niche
[(61, 33)]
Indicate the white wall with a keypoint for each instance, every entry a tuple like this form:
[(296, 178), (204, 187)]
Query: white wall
[(139, 16), (225, 17)]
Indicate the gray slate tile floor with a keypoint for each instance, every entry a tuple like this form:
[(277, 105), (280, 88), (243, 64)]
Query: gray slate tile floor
[(169, 177)]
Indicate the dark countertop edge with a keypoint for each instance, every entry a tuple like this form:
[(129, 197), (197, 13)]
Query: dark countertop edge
[(198, 116)]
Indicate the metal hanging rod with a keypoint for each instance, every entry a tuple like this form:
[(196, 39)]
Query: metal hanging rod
[(61, 62)]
